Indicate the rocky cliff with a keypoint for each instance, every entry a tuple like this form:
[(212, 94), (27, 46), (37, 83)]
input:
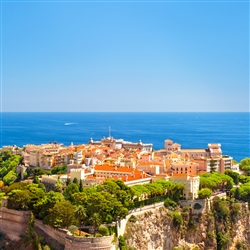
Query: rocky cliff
[(165, 229)]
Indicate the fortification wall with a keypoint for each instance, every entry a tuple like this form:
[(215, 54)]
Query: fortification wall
[(13, 223), (54, 237), (88, 243)]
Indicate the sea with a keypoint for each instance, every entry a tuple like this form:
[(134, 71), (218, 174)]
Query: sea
[(191, 130)]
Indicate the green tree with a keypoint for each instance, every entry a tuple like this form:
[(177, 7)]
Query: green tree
[(61, 215), (19, 199), (59, 169), (7, 155), (69, 190), (80, 214), (58, 185), (204, 193), (10, 178), (233, 175), (18, 185), (79, 198), (245, 165), (80, 186), (38, 171), (31, 238), (36, 180), (95, 221), (68, 181), (237, 194), (75, 181), (42, 206)]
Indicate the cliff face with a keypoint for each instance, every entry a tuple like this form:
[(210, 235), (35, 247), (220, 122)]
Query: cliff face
[(163, 229)]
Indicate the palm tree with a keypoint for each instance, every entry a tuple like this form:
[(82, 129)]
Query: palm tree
[(95, 220), (80, 214)]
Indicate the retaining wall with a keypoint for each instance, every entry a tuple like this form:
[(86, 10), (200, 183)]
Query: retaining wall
[(88, 243), (13, 223), (54, 237)]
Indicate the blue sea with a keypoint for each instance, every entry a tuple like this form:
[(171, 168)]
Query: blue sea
[(191, 130)]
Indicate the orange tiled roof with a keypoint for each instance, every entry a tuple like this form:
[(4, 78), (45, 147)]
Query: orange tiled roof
[(116, 169), (181, 175)]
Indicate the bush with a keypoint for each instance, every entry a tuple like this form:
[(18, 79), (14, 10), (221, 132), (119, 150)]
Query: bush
[(220, 209), (103, 230), (132, 219), (222, 241), (210, 235), (122, 243), (73, 229), (241, 245), (170, 204), (185, 208), (177, 219)]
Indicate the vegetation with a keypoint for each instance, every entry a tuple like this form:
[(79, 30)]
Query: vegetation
[(8, 164), (70, 205), (216, 181), (170, 204), (245, 165), (204, 193), (177, 219), (103, 230)]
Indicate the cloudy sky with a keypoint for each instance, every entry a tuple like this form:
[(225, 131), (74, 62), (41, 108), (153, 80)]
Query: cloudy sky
[(163, 56)]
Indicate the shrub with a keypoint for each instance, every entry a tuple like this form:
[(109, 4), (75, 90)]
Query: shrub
[(241, 245), (222, 241), (103, 230), (220, 209), (210, 235), (170, 204), (185, 208), (177, 219), (73, 229), (132, 219), (122, 243)]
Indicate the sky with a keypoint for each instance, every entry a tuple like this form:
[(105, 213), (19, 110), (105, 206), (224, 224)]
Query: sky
[(124, 56)]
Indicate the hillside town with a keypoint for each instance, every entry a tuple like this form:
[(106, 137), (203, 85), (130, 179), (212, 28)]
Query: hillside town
[(132, 163)]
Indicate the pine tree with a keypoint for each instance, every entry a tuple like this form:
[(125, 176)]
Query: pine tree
[(80, 186)]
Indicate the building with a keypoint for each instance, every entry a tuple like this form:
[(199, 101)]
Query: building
[(184, 167), (191, 183), (110, 142), (128, 175)]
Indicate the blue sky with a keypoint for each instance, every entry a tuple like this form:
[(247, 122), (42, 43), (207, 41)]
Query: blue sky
[(165, 56)]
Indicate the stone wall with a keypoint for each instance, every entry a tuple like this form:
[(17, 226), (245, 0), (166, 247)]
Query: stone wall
[(88, 243), (13, 223), (54, 237), (191, 203)]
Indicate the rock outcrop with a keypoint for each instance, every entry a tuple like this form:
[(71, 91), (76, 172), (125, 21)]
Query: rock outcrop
[(160, 230)]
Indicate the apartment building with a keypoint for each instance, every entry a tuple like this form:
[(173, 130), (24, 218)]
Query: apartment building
[(190, 182), (110, 142), (184, 167)]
